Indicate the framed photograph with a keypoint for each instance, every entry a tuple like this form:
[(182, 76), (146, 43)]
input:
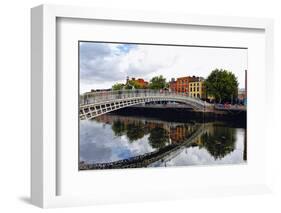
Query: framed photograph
[(130, 106), (195, 118)]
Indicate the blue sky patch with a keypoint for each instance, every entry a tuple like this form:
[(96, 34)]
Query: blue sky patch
[(125, 48)]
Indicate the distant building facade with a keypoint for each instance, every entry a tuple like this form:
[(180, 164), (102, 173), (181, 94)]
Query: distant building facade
[(173, 85), (181, 84), (192, 85), (197, 88), (242, 96), (141, 82)]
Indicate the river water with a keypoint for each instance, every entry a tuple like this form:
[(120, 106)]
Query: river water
[(115, 141)]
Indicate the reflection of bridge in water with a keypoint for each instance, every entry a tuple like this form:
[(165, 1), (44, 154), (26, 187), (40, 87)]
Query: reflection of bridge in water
[(94, 104), (164, 154)]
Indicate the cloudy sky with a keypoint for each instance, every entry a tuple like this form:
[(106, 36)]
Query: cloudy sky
[(104, 64)]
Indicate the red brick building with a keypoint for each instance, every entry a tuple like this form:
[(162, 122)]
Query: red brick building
[(182, 84)]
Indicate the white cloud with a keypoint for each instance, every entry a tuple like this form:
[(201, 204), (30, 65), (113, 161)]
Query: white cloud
[(103, 64)]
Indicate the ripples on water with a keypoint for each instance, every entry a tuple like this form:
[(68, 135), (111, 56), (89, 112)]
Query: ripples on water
[(111, 138)]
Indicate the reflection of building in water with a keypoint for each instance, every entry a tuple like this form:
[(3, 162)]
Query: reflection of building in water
[(177, 132), (166, 141), (180, 132), (208, 130)]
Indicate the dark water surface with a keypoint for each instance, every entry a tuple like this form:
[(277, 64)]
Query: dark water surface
[(115, 141)]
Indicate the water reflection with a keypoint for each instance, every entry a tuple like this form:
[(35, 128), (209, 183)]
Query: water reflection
[(112, 141), (220, 142), (158, 137)]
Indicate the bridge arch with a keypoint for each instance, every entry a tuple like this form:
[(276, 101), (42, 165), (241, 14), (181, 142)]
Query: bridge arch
[(97, 103)]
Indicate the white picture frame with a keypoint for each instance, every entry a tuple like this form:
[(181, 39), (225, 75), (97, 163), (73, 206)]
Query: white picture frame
[(44, 154)]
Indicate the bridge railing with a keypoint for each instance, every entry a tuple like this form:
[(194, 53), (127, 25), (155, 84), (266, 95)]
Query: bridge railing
[(103, 96)]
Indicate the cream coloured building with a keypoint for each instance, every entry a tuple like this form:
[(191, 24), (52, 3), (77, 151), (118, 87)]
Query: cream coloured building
[(197, 89)]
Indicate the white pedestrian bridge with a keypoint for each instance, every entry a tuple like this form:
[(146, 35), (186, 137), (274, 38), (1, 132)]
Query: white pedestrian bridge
[(93, 104)]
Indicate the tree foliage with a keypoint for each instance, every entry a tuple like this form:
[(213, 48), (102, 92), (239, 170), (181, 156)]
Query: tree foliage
[(117, 86), (222, 85), (158, 82)]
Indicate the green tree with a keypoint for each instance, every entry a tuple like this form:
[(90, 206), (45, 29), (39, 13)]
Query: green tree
[(222, 85), (158, 82), (128, 86), (117, 86)]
